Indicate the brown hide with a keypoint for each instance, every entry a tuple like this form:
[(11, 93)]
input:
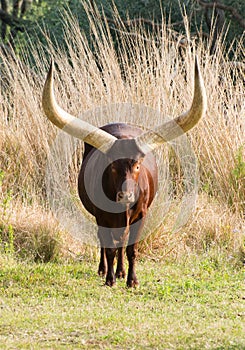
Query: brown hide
[(98, 190), (95, 164)]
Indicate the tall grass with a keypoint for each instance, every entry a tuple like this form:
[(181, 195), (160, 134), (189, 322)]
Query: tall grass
[(144, 69)]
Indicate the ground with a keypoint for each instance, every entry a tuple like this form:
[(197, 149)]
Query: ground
[(196, 304)]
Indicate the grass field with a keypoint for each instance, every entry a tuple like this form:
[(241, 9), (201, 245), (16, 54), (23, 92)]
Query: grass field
[(196, 304)]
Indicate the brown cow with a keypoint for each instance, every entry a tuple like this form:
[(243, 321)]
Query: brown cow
[(118, 178)]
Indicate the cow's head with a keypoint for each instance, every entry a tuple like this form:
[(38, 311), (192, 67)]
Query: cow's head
[(123, 172)]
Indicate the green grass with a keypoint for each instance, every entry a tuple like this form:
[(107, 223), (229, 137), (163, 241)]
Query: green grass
[(196, 304)]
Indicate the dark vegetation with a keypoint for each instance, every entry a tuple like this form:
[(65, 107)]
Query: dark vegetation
[(21, 21)]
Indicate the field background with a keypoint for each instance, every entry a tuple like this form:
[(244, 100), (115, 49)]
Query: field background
[(192, 289)]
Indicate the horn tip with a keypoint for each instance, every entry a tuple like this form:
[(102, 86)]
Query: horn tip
[(51, 68), (48, 85), (196, 63)]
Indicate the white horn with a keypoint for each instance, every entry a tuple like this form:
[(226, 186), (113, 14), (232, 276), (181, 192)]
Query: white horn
[(74, 126), (168, 131)]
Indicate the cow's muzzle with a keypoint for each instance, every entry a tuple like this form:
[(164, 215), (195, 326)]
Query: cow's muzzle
[(125, 197)]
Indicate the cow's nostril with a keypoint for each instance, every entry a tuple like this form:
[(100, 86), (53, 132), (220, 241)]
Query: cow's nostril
[(125, 197)]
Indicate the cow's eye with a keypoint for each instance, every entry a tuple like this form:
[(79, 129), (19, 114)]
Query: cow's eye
[(137, 167)]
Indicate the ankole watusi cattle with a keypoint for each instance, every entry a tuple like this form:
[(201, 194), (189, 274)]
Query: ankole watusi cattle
[(118, 177)]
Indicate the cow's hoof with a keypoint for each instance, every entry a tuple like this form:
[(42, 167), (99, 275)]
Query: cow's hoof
[(102, 272), (120, 274), (110, 283), (132, 283)]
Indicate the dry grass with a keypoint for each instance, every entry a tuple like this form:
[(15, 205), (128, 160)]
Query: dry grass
[(212, 229), (31, 233), (147, 71)]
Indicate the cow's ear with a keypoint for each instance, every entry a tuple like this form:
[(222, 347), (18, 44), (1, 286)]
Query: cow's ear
[(113, 168)]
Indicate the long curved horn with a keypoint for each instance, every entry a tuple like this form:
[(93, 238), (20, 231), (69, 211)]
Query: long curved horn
[(168, 131), (74, 126)]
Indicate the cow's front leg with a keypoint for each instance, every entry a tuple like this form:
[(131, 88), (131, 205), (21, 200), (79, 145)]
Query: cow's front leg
[(110, 256), (108, 252), (120, 272), (132, 252), (102, 271), (121, 236)]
